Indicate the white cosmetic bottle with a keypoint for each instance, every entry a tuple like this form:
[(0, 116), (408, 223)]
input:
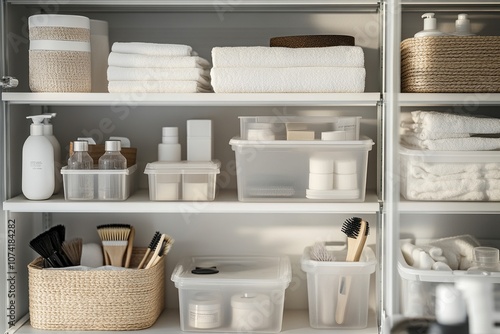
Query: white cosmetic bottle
[(169, 149), (38, 162), (430, 27), (48, 132), (462, 26)]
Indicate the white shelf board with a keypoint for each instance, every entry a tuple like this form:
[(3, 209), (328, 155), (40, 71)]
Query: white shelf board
[(437, 207), (436, 99), (193, 99), (449, 2), (225, 202), (294, 322)]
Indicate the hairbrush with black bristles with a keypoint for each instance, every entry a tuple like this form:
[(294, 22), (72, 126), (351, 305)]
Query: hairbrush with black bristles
[(151, 247)]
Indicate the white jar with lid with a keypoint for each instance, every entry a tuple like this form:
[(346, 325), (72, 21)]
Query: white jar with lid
[(205, 311), (251, 312)]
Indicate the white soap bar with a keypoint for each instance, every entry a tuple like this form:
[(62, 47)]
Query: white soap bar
[(333, 135), (167, 191), (345, 181), (320, 165), (195, 192), (345, 167), (320, 181), (260, 134), (300, 135)]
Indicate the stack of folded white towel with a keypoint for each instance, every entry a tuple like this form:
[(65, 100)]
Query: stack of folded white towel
[(336, 69), (156, 68), (474, 181)]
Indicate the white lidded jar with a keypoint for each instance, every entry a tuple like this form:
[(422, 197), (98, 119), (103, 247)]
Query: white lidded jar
[(49, 133), (38, 162), (80, 186), (169, 149), (110, 185), (205, 311)]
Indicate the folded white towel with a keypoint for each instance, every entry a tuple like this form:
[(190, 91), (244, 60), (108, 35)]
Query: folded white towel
[(462, 246), (138, 60), (152, 49), (435, 121), (260, 56), (454, 144), (416, 172), (154, 74), (424, 134), (288, 80), (156, 87), (443, 169), (455, 186)]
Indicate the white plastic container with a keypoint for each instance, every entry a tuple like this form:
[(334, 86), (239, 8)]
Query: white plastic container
[(449, 175), (280, 170), (169, 149), (200, 145), (323, 280), (123, 181), (241, 294), (275, 127), (182, 181)]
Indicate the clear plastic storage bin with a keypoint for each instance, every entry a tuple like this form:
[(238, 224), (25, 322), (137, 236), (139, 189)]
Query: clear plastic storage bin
[(99, 184), (449, 175), (324, 281), (182, 181), (279, 127), (232, 294), (315, 170)]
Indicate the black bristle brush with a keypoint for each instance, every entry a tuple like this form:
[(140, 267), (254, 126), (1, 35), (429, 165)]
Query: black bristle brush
[(49, 245), (151, 247), (356, 229)]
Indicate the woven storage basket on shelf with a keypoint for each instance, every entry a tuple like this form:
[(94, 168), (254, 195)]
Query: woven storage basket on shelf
[(450, 64), (96, 300)]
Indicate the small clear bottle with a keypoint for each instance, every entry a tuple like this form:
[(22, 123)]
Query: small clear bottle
[(486, 261), (111, 185), (80, 186)]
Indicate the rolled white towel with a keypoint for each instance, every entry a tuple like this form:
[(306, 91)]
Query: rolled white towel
[(158, 74), (454, 144), (152, 49), (138, 60), (438, 121), (156, 87), (441, 266), (288, 80), (261, 56)]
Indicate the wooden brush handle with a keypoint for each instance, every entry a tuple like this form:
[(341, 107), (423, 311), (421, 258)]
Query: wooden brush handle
[(130, 245), (342, 296), (157, 251), (145, 257)]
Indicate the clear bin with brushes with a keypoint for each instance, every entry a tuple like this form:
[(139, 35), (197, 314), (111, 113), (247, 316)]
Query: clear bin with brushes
[(326, 279)]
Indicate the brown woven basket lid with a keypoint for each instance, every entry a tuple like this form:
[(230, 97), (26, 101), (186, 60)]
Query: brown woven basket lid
[(311, 41)]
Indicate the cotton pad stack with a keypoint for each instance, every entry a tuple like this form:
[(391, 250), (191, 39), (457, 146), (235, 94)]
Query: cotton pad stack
[(256, 69), (156, 68), (59, 53)]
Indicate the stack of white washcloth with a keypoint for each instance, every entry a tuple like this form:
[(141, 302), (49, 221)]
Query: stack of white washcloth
[(336, 69), (436, 131), (156, 68)]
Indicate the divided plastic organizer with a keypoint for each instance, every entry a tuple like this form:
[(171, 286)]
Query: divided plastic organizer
[(184, 180), (280, 169), (232, 293), (324, 279), (418, 286), (99, 184), (449, 175)]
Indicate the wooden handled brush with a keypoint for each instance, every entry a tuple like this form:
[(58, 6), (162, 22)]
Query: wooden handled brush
[(162, 248), (151, 247), (114, 238), (356, 230)]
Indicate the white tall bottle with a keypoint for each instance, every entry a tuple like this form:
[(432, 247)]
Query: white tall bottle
[(169, 149), (48, 132), (38, 162)]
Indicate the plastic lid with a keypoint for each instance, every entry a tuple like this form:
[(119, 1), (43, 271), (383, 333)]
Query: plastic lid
[(36, 129), (80, 146), (183, 167), (169, 132), (112, 145), (429, 21), (462, 24), (486, 255)]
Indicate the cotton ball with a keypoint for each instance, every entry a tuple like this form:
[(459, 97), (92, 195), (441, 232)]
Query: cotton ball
[(92, 255), (441, 266)]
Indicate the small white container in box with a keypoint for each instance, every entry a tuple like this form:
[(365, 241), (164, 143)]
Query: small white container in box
[(324, 281), (300, 170), (99, 184), (233, 293), (449, 175), (280, 127), (183, 180)]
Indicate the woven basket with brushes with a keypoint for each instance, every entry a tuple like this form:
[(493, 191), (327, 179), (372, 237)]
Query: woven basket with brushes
[(105, 300), (450, 64)]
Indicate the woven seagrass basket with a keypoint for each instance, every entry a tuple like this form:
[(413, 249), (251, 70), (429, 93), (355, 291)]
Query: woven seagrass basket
[(450, 64), (98, 299)]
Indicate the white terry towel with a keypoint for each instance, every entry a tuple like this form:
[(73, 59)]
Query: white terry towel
[(454, 144), (116, 73), (416, 172), (424, 134), (458, 190), (288, 80), (152, 49), (434, 121), (137, 60), (260, 56), (157, 87), (443, 169)]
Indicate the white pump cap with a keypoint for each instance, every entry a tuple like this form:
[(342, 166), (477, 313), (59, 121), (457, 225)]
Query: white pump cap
[(462, 25), (36, 129), (47, 127), (429, 21)]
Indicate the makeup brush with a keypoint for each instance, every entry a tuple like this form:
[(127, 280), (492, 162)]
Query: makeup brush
[(114, 238), (48, 245), (73, 250), (356, 230), (151, 247)]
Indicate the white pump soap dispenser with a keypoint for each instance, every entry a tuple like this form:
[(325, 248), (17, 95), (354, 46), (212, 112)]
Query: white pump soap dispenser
[(430, 26), (38, 162), (462, 26), (49, 133)]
